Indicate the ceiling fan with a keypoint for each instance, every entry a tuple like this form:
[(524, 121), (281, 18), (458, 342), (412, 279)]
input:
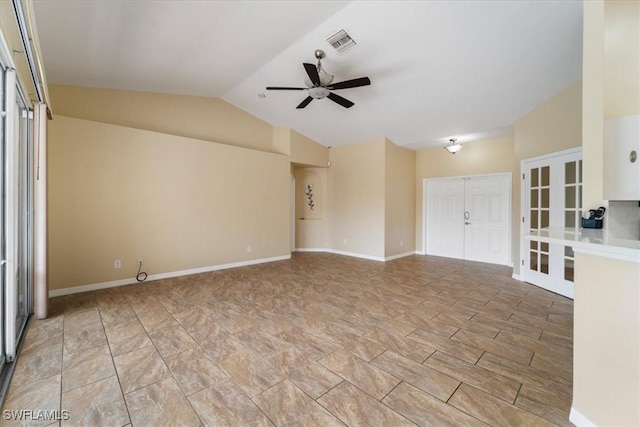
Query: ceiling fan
[(319, 84)]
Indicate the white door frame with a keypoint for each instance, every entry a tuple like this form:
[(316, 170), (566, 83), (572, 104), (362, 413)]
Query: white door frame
[(424, 205), (292, 215)]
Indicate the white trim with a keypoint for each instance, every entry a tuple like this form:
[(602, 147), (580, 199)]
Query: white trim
[(517, 277), (11, 212), (337, 252), (6, 56), (420, 252), (424, 215), (356, 255), (578, 419), (402, 255), (480, 175), (152, 277), (547, 156)]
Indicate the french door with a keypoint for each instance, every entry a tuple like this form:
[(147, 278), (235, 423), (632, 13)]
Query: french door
[(469, 218), (551, 197), (15, 213)]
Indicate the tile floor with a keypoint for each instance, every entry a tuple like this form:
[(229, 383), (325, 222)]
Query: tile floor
[(318, 340)]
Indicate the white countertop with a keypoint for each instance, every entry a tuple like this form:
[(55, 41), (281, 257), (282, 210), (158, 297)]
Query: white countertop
[(593, 241)]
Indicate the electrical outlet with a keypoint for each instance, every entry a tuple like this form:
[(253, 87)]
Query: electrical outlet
[(344, 242), (401, 243), (139, 260), (249, 249), (117, 264)]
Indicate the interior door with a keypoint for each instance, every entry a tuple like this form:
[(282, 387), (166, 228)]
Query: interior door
[(445, 218), (469, 218), (487, 219), (16, 214), (538, 216), (551, 197)]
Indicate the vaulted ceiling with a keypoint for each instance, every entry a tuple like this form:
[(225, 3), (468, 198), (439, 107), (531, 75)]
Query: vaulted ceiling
[(438, 69)]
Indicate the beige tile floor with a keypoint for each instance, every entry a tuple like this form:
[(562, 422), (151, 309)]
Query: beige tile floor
[(318, 340)]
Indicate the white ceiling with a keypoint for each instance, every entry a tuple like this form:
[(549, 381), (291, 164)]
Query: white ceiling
[(439, 69)]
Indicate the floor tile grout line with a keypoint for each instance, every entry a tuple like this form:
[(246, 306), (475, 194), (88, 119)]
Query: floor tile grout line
[(392, 409), (454, 392), (126, 406), (62, 362), (517, 394), (256, 404)]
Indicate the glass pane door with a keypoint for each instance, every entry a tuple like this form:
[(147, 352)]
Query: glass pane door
[(24, 215), (572, 216), (539, 210), (16, 214), (551, 197)]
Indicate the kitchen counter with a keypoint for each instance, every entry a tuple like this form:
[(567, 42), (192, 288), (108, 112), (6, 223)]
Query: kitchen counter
[(593, 241)]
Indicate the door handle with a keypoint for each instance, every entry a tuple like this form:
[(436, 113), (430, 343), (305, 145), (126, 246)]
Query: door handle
[(466, 215), (467, 223)]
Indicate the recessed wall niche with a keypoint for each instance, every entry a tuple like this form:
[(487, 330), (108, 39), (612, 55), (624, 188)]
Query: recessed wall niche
[(310, 196)]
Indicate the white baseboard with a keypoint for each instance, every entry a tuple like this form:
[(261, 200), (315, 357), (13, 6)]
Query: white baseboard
[(517, 277), (402, 255), (358, 255), (578, 419), (337, 252), (151, 277), (355, 255), (420, 253)]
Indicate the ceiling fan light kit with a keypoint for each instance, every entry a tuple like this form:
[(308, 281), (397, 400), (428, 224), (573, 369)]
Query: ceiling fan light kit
[(319, 84), (454, 147)]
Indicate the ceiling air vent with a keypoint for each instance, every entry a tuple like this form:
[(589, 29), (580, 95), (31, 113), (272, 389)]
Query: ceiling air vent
[(341, 41)]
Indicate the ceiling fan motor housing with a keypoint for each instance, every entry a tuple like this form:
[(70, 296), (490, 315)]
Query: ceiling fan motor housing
[(318, 92)]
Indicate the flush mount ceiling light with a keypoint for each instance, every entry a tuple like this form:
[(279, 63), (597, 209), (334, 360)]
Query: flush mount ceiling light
[(454, 147)]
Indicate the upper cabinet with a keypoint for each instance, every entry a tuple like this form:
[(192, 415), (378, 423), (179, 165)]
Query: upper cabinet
[(621, 158)]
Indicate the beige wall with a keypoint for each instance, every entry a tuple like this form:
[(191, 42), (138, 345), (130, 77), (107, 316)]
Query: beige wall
[(357, 198), (553, 126), (281, 140), (400, 199), (480, 157), (306, 151), (208, 119), (606, 366), (311, 224), (621, 58), (592, 105), (178, 203)]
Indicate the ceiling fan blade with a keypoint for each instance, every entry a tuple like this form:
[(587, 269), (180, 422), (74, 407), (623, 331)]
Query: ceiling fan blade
[(340, 100), (362, 81), (306, 102), (312, 71), (285, 88)]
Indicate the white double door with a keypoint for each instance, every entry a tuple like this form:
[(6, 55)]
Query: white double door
[(469, 218), (551, 197)]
